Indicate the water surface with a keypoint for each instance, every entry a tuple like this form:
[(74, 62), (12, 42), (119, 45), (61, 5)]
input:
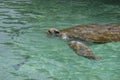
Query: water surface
[(26, 53)]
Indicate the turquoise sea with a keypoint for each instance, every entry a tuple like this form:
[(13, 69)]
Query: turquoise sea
[(27, 53)]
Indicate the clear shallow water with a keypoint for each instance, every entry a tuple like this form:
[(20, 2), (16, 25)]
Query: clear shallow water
[(26, 53)]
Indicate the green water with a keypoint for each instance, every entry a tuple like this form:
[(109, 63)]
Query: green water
[(26, 53)]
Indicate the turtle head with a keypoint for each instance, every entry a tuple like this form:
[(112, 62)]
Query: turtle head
[(58, 33), (53, 32)]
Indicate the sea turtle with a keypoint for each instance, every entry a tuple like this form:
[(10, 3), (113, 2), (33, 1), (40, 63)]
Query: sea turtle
[(95, 33)]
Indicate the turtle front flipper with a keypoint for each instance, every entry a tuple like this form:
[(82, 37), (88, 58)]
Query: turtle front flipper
[(82, 50)]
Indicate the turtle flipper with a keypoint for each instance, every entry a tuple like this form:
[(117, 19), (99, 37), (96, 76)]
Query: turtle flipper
[(82, 50)]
